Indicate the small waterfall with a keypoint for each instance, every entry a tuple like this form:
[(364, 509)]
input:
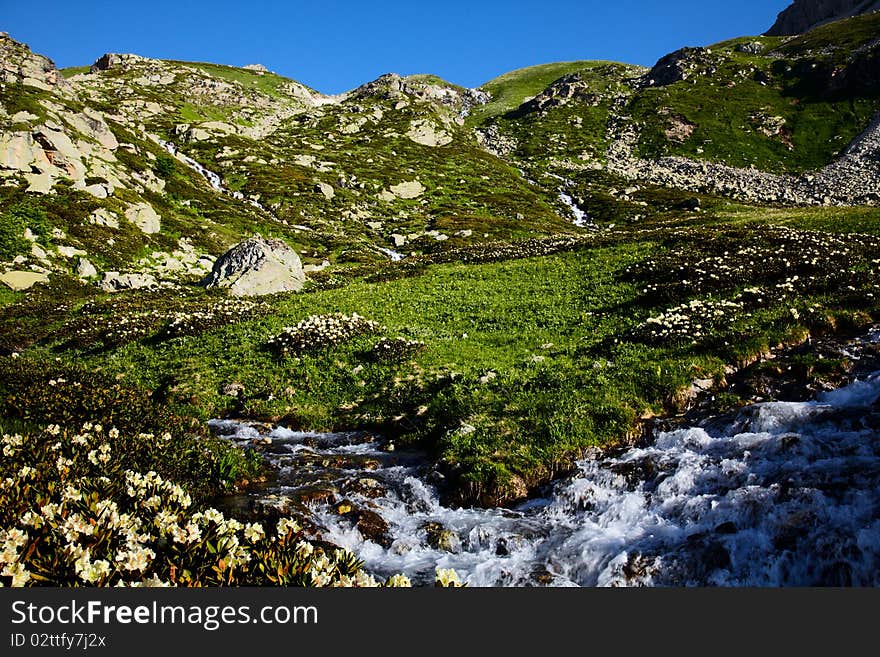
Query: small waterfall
[(213, 178)]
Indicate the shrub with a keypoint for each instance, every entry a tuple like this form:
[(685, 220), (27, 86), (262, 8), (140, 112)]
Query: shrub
[(164, 167), (321, 331), (71, 514), (16, 219), (395, 350)]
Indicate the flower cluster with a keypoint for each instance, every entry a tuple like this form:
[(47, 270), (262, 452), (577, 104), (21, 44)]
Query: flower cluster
[(65, 522), (782, 268), (320, 331), (216, 314), (691, 321), (395, 350), (714, 261), (121, 320)]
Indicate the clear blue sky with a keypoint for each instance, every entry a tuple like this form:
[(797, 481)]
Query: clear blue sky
[(334, 45)]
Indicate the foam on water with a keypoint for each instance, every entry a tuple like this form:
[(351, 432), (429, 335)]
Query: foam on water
[(782, 494)]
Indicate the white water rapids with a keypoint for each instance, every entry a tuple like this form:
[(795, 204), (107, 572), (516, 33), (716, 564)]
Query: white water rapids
[(581, 218), (784, 494)]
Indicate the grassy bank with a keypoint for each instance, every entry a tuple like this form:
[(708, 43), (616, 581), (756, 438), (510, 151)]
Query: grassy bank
[(506, 368)]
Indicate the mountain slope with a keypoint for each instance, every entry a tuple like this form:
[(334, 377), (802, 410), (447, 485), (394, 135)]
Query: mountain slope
[(548, 261), (804, 15)]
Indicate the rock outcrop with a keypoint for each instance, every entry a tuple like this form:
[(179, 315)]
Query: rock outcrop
[(18, 65), (679, 65), (561, 92), (804, 15), (256, 267)]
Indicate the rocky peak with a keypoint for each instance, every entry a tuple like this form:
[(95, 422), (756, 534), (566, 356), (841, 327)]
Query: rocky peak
[(804, 15), (259, 68), (561, 92), (424, 88), (18, 65), (112, 60)]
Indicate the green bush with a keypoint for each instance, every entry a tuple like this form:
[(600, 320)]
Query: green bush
[(22, 215), (164, 167)]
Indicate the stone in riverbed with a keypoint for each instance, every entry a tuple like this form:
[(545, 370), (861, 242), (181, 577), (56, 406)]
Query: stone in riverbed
[(441, 538), (256, 267), (373, 527)]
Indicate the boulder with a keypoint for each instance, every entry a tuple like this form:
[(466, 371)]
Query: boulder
[(409, 189), (326, 190), (144, 217), (257, 266), (18, 151), (22, 280), (85, 269), (423, 132), (103, 217), (92, 124), (39, 183), (114, 281)]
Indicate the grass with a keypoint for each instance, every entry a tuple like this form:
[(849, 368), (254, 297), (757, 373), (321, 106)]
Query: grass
[(526, 362), (841, 36), (512, 358), (267, 83), (510, 90), (70, 71), (730, 120)]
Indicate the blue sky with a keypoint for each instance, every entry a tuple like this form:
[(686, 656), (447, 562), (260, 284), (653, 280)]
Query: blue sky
[(335, 45)]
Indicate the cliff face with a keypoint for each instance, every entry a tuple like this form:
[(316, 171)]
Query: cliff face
[(803, 15)]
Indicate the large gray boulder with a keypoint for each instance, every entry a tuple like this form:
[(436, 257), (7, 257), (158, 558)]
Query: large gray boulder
[(257, 266)]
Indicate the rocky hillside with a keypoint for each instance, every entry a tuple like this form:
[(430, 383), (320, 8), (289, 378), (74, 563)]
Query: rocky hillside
[(804, 15), (171, 163)]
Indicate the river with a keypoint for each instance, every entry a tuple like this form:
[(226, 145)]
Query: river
[(781, 494)]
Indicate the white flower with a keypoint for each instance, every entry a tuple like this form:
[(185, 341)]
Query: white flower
[(71, 494), (155, 582), (447, 577), (95, 571), (254, 532), (15, 538), (31, 519), (213, 515), (20, 576), (136, 559), (286, 525)]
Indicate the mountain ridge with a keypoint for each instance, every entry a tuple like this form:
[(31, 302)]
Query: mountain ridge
[(804, 15)]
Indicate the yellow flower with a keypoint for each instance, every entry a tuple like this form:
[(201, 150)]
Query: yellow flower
[(447, 577), (254, 532), (20, 576)]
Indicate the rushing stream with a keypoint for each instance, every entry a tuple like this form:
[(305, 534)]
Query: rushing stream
[(213, 178), (782, 494)]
